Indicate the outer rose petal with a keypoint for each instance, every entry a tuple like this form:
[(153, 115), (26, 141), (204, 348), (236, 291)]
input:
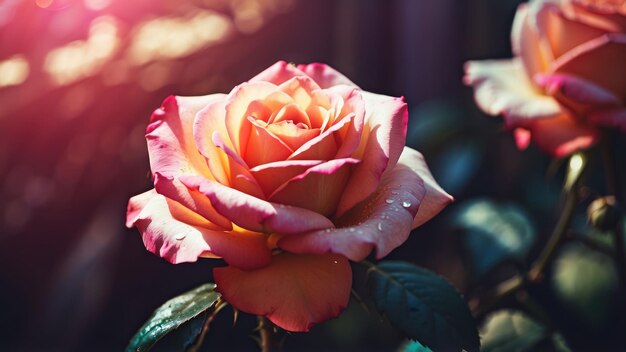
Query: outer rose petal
[(295, 292), (527, 43), (177, 241), (256, 214), (502, 87), (193, 200), (171, 144), (325, 75), (278, 73), (383, 139), (562, 136), (573, 89), (610, 118), (600, 60), (383, 221), (436, 198)]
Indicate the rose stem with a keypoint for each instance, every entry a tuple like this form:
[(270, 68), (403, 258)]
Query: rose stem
[(613, 188), (517, 282), (267, 332)]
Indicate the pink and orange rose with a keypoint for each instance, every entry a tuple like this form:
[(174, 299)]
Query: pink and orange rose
[(287, 178), (567, 79)]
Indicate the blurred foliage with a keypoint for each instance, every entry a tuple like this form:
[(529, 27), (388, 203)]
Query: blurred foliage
[(494, 233), (585, 281)]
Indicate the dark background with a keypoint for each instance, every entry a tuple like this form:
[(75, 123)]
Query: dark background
[(72, 150)]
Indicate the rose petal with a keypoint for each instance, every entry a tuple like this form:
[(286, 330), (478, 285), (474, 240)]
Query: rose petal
[(615, 118), (256, 214), (191, 199), (209, 121), (324, 146), (385, 127), (136, 204), (263, 146), (237, 105), (300, 89), (522, 138), (564, 33), (278, 73), (318, 188), (576, 90), (178, 241), (600, 61), (295, 292), (171, 145), (609, 20), (435, 199), (325, 75), (383, 221), (270, 176), (527, 43), (502, 87), (562, 135)]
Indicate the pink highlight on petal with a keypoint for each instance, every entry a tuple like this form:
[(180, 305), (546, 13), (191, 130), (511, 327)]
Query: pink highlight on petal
[(295, 292), (522, 138), (325, 75), (179, 241), (171, 146), (271, 175), (385, 126), (256, 214), (576, 90), (193, 200)]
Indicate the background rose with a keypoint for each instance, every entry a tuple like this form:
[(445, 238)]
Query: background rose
[(568, 77), (286, 178)]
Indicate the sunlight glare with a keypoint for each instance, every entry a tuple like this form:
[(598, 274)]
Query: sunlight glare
[(80, 59), (13, 71), (175, 37)]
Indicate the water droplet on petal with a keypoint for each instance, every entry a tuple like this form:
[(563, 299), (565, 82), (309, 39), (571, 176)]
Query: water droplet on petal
[(406, 204), (351, 229), (180, 237), (334, 261), (327, 230), (380, 226), (389, 201)]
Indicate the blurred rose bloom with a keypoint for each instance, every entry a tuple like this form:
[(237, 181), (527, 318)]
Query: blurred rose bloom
[(568, 76), (286, 178)]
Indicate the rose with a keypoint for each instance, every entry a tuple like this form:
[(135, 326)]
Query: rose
[(286, 178), (568, 78)]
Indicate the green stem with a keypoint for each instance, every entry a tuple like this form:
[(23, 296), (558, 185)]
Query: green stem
[(613, 188), (267, 332), (536, 271)]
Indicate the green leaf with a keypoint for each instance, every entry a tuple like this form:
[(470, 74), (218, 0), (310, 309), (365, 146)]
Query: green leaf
[(494, 233), (174, 313), (423, 306), (585, 281), (414, 346), (508, 330)]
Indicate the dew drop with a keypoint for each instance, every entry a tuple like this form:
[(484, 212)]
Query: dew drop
[(180, 237), (380, 226), (327, 230), (351, 229), (389, 201), (406, 204), (334, 261)]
